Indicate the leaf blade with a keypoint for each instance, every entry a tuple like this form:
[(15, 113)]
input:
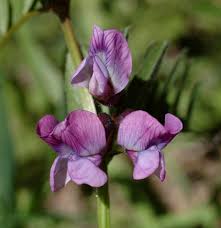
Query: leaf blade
[(4, 16), (152, 60), (76, 97)]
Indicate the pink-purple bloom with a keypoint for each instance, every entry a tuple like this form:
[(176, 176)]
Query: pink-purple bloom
[(80, 143), (107, 68), (143, 138)]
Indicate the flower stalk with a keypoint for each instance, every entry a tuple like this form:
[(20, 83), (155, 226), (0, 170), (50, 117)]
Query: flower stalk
[(71, 41), (103, 204)]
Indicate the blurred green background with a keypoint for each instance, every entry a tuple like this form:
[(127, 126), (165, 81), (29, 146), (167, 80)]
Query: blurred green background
[(32, 66)]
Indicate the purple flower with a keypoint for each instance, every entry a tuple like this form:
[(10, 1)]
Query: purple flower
[(143, 138), (80, 143), (106, 69)]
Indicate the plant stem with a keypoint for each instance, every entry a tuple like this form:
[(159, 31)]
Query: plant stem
[(16, 26), (103, 205), (71, 41)]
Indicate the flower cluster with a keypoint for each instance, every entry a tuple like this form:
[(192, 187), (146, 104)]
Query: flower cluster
[(83, 139)]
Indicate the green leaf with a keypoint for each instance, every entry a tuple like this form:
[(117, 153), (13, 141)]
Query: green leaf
[(173, 74), (192, 101), (27, 5), (126, 32), (152, 60), (4, 16), (184, 67), (17, 8), (76, 97)]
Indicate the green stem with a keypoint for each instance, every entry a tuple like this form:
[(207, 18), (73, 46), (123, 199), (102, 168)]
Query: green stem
[(71, 41), (103, 205), (16, 26)]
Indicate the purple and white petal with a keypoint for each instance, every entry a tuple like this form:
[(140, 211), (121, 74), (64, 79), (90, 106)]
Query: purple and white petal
[(112, 49), (58, 175), (83, 74), (84, 133), (138, 130), (83, 171), (146, 163), (161, 170), (44, 128), (118, 59), (99, 85)]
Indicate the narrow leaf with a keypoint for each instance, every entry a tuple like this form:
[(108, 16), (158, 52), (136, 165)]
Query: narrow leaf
[(181, 86), (4, 16), (126, 32), (76, 98), (172, 73), (192, 101), (17, 8), (152, 60), (27, 5)]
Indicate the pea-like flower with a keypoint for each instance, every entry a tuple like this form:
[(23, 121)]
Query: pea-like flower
[(143, 138), (80, 143), (107, 68)]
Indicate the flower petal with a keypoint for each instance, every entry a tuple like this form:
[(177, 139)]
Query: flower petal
[(96, 44), (58, 175), (84, 72), (84, 133), (172, 124), (138, 130), (146, 163), (118, 59), (112, 49), (44, 128), (96, 159), (83, 171), (161, 171), (99, 85)]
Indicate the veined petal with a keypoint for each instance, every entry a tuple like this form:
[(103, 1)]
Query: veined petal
[(83, 171), (161, 170), (45, 126), (84, 72), (138, 130), (58, 175), (99, 84), (112, 49), (146, 163), (117, 59), (96, 44), (84, 133)]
